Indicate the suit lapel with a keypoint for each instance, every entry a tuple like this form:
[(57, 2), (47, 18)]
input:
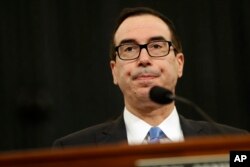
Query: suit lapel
[(114, 132), (190, 127)]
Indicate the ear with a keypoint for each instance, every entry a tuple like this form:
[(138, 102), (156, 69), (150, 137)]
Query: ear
[(180, 63), (114, 72)]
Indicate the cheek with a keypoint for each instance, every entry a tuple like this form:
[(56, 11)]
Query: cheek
[(128, 73), (124, 73), (169, 70)]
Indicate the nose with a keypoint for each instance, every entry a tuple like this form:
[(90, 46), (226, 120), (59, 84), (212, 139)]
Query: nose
[(144, 58)]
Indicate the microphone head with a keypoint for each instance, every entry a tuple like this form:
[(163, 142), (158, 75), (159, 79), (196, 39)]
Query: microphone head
[(160, 95)]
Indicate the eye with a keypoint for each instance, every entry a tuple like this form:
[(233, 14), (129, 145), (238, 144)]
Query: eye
[(155, 45), (129, 48)]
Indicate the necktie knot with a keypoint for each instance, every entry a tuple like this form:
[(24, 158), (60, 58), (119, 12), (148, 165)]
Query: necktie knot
[(155, 134)]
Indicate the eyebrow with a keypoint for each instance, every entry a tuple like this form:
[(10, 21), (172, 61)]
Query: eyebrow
[(156, 38), (127, 41)]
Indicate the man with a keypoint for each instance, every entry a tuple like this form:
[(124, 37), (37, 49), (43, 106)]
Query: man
[(145, 52)]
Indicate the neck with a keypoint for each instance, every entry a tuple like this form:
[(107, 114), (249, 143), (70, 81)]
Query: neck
[(151, 113)]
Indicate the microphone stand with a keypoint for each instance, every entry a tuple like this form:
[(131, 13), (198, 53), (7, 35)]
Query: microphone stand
[(196, 108)]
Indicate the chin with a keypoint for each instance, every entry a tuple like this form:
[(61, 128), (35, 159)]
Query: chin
[(143, 91)]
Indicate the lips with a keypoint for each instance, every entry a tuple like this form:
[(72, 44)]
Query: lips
[(145, 76)]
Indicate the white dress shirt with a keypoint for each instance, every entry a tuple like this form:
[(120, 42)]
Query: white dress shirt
[(137, 129)]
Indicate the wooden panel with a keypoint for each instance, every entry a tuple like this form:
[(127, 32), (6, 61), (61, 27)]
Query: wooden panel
[(122, 155)]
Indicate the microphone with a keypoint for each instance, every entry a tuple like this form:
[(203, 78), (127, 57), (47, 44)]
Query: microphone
[(161, 95)]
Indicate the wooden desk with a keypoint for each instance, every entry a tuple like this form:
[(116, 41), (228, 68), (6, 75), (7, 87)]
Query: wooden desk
[(121, 155)]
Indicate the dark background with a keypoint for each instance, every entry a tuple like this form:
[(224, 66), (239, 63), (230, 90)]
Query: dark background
[(55, 75)]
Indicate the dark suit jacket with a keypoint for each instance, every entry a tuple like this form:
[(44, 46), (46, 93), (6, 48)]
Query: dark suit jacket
[(115, 131)]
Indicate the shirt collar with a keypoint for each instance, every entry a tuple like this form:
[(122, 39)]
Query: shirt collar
[(137, 129), (171, 127)]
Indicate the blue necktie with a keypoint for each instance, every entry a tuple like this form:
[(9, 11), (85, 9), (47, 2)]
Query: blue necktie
[(155, 134)]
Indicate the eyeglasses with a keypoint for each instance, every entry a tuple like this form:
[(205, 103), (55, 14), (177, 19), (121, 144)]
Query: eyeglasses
[(154, 49)]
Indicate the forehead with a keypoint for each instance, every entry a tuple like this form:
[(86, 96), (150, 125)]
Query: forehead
[(141, 29)]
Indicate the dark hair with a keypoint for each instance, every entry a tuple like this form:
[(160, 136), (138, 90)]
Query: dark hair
[(129, 12)]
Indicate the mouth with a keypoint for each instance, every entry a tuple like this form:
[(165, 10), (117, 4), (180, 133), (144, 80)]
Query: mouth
[(145, 77), (145, 80)]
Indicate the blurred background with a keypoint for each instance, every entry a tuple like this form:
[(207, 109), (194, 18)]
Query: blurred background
[(55, 75)]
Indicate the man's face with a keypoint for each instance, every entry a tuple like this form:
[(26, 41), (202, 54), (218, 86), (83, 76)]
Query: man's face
[(136, 77)]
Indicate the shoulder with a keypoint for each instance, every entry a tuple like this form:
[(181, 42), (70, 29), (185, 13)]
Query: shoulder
[(196, 128), (87, 136)]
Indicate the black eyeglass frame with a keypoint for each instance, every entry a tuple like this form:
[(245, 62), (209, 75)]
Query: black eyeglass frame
[(146, 47)]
